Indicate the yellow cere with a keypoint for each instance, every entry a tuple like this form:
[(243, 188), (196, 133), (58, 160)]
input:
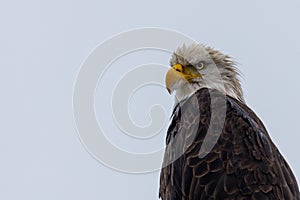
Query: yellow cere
[(178, 67), (188, 71)]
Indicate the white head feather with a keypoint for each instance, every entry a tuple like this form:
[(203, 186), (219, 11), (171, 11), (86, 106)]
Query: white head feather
[(219, 71)]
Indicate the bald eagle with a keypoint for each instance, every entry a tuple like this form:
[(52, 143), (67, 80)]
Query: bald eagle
[(216, 146)]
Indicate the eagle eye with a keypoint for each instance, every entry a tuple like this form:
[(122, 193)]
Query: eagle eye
[(200, 66)]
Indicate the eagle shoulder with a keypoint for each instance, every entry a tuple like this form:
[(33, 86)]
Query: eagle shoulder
[(244, 163)]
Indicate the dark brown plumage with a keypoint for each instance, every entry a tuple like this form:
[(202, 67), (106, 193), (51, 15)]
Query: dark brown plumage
[(243, 164)]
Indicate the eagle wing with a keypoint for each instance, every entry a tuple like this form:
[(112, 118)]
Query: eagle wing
[(244, 163)]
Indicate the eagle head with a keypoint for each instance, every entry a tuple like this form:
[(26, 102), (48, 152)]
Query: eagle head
[(196, 66)]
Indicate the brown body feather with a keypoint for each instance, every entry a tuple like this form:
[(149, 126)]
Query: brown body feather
[(243, 164)]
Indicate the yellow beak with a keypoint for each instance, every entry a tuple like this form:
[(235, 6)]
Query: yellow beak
[(173, 75), (178, 73)]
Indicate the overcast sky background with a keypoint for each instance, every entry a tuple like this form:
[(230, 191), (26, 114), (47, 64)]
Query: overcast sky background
[(43, 43)]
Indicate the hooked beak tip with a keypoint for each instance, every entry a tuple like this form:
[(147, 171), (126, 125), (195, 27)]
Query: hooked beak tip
[(169, 91)]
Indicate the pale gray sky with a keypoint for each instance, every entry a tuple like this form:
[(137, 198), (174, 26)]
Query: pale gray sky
[(44, 43)]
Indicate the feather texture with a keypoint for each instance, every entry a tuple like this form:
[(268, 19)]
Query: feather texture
[(243, 164)]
